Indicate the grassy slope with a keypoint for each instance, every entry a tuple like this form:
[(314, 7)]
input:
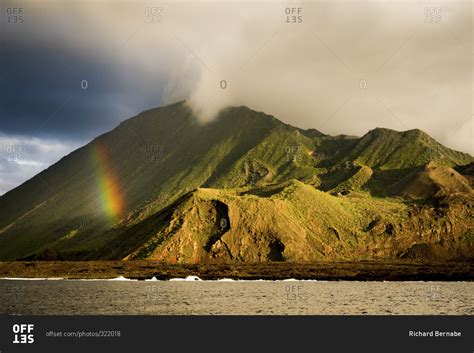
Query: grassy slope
[(388, 149), (191, 154), (242, 148), (291, 221)]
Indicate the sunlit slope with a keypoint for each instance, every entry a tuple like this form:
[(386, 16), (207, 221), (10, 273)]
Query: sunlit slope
[(127, 174), (142, 170), (294, 222)]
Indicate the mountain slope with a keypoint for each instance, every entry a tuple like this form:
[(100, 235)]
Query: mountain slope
[(432, 181), (293, 222), (127, 174), (388, 149), (100, 199)]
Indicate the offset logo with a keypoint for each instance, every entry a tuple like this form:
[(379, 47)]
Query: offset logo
[(23, 333)]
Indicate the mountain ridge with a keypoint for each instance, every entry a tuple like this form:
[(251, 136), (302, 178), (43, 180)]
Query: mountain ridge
[(100, 191)]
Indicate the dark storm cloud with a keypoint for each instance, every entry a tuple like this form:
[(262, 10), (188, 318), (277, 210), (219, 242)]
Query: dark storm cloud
[(417, 70), (57, 93), (56, 97)]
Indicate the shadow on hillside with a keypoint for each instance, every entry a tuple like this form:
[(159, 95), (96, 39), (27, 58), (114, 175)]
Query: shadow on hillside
[(390, 182)]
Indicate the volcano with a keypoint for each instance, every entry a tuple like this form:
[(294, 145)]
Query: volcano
[(245, 187)]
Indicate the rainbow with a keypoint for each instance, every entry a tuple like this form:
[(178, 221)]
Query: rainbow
[(107, 183)]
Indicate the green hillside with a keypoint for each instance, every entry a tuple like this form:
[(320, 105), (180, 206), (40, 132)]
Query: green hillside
[(141, 189), (388, 149), (291, 222)]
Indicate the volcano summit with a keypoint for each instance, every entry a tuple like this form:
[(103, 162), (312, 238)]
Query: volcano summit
[(243, 188)]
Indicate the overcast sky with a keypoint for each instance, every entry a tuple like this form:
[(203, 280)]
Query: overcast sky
[(72, 70)]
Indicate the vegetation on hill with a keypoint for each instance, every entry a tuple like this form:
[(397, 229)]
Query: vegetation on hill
[(245, 187)]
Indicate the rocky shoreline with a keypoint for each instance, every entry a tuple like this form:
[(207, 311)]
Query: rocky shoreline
[(330, 271)]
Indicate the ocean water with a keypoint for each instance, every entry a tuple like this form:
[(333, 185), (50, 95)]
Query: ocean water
[(193, 297)]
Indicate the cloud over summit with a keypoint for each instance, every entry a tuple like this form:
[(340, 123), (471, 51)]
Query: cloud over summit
[(346, 67)]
